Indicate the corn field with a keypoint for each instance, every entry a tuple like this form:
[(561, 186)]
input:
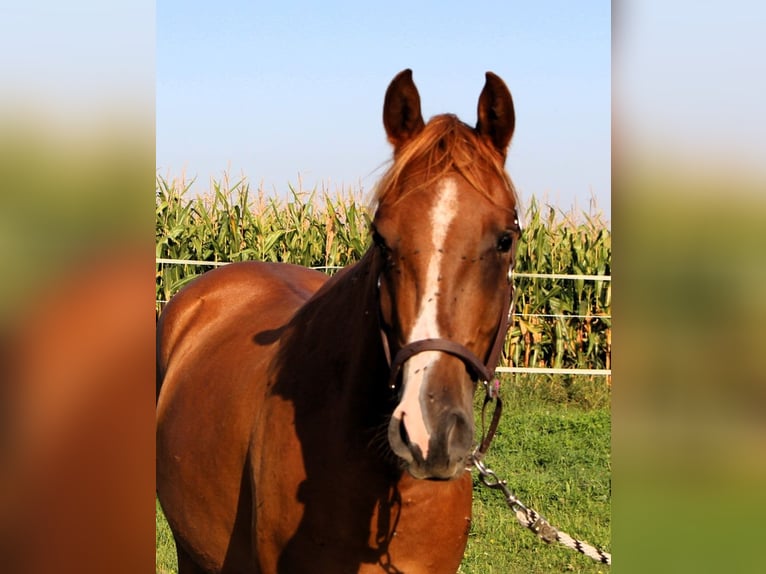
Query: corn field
[(560, 323)]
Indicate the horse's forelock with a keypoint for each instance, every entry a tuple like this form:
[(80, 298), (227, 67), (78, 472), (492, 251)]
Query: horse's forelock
[(445, 145)]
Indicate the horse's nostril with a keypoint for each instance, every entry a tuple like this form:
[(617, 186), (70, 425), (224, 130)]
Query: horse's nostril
[(398, 438), (403, 432), (460, 432)]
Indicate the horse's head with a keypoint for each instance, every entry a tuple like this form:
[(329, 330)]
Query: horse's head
[(445, 229)]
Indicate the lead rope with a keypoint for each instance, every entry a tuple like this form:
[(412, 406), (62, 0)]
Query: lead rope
[(531, 519), (527, 517)]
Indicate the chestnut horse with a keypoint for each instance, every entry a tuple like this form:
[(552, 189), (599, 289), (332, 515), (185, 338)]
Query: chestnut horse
[(308, 424)]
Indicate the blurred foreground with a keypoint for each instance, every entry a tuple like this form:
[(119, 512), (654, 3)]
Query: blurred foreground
[(76, 294)]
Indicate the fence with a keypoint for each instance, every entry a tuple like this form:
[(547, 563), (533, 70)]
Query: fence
[(526, 370)]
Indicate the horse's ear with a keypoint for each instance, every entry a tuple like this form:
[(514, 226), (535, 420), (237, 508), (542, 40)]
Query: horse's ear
[(496, 117), (401, 110)]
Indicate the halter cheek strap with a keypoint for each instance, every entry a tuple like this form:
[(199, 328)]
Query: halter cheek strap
[(484, 370)]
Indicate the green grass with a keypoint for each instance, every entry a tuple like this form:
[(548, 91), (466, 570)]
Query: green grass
[(553, 448), (165, 556)]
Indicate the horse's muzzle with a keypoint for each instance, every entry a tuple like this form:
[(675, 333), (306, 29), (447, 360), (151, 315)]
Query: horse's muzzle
[(449, 447)]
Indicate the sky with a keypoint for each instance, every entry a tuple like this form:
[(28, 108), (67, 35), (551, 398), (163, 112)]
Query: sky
[(693, 86), (278, 91)]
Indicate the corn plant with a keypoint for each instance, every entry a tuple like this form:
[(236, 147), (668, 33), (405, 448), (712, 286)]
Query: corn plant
[(558, 322)]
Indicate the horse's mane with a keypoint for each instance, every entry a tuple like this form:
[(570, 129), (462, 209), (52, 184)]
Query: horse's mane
[(445, 144)]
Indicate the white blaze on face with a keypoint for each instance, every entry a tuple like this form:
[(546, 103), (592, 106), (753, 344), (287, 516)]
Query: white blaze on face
[(426, 325)]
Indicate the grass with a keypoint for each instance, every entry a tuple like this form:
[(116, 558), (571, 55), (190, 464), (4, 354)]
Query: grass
[(553, 448), (165, 555)]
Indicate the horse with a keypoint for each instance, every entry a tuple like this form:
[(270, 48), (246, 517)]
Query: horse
[(315, 424)]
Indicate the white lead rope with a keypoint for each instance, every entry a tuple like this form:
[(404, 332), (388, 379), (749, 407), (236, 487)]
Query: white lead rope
[(531, 519)]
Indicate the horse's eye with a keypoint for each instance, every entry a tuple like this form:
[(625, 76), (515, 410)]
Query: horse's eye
[(505, 243)]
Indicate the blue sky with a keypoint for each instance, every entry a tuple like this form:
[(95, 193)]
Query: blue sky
[(281, 89)]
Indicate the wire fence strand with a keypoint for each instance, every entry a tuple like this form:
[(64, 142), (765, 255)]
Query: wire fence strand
[(524, 370)]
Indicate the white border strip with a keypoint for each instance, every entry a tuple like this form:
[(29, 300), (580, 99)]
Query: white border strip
[(220, 263), (563, 276), (515, 274), (527, 370), (192, 262), (541, 370)]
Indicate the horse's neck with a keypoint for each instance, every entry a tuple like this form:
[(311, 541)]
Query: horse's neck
[(349, 315), (332, 366), (339, 327)]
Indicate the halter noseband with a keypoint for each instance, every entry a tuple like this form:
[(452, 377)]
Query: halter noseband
[(482, 370)]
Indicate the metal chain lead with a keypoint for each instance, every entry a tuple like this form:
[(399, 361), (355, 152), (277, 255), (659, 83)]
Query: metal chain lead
[(531, 519)]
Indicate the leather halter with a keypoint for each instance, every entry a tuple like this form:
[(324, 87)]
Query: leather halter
[(484, 371)]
